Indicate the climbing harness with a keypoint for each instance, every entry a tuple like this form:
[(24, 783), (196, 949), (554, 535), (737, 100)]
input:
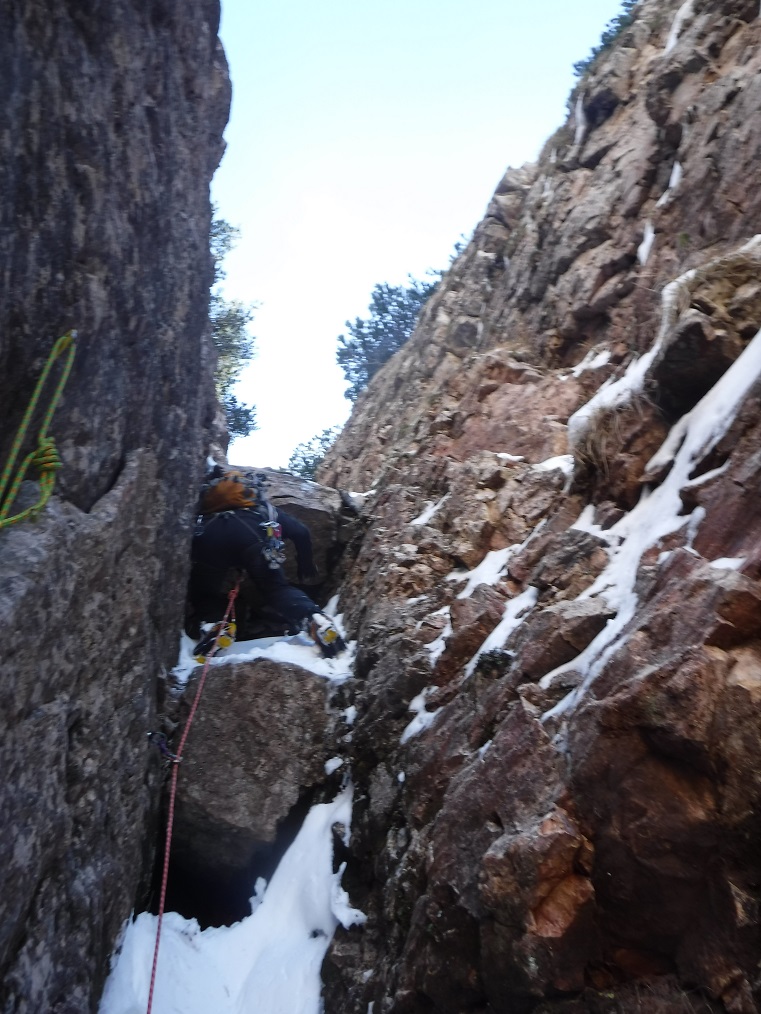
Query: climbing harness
[(269, 535), (176, 760), (44, 456)]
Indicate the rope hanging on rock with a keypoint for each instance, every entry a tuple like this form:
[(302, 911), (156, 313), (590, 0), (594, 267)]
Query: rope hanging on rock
[(45, 456), (176, 759)]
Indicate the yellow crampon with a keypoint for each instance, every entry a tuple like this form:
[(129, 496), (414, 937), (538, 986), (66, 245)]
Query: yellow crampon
[(221, 635)]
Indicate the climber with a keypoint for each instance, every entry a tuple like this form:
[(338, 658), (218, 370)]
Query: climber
[(238, 527)]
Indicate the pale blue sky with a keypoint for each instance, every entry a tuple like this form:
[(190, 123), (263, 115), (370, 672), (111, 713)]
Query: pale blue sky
[(364, 139)]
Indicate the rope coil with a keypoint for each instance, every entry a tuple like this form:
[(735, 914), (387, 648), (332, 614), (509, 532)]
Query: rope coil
[(44, 457)]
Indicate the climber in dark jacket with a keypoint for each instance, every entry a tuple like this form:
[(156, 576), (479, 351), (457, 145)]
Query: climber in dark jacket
[(249, 538)]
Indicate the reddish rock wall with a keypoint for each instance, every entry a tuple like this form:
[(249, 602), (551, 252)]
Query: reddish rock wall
[(575, 829)]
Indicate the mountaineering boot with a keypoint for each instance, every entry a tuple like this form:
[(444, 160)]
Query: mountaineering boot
[(324, 633), (226, 631)]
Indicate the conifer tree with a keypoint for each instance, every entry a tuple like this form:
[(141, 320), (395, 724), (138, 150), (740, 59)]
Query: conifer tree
[(372, 340), (229, 331)]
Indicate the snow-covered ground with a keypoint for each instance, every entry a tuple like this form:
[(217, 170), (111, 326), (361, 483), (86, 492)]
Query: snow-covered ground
[(299, 649), (268, 963)]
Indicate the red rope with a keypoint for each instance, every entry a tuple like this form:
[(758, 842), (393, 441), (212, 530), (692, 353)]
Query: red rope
[(229, 612)]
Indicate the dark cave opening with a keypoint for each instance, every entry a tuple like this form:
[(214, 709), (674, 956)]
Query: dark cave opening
[(220, 896)]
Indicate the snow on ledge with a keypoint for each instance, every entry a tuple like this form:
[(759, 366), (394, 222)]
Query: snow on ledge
[(728, 563), (488, 571), (657, 515), (297, 649), (436, 647), (428, 513), (515, 613), (592, 361), (423, 719), (561, 462)]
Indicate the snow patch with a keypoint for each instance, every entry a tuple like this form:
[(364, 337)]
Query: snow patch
[(592, 361), (586, 523), (436, 648), (728, 563), (657, 515), (423, 719), (360, 499), (581, 120), (643, 250), (515, 613), (561, 462), (296, 649), (333, 764), (489, 571), (684, 12), (430, 510), (674, 181), (270, 961)]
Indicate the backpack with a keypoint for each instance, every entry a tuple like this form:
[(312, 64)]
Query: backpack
[(233, 489)]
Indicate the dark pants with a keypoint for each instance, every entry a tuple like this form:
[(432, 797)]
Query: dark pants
[(232, 540)]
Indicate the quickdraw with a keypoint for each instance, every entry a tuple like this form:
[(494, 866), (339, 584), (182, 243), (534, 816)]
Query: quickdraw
[(159, 739)]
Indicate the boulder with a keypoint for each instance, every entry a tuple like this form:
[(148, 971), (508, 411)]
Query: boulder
[(257, 744)]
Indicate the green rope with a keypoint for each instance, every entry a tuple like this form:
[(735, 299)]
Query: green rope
[(45, 456)]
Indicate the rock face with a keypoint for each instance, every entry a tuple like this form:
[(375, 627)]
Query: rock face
[(555, 586), (259, 740), (560, 581), (111, 130)]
